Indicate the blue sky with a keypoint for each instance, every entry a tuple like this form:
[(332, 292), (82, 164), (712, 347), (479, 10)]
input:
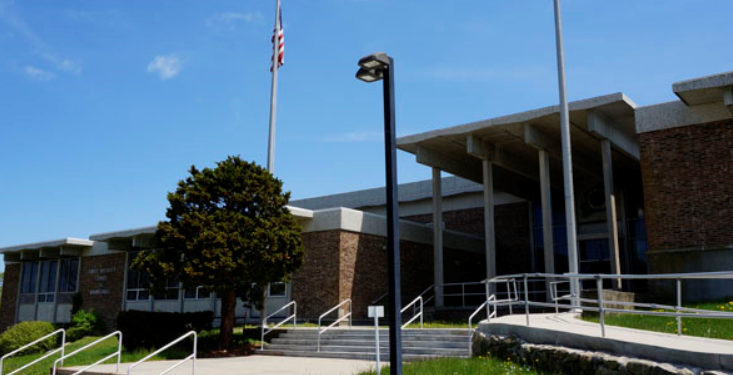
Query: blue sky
[(105, 104)]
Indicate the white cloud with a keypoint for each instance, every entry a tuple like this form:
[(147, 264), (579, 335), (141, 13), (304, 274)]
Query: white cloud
[(38, 74), (229, 20), (355, 137), (166, 67)]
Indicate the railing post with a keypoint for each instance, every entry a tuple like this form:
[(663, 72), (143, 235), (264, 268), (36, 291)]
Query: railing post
[(119, 353), (488, 308), (295, 315), (463, 295), (599, 287), (63, 345), (351, 316), (422, 313), (262, 342), (195, 353), (526, 299), (509, 294), (679, 307)]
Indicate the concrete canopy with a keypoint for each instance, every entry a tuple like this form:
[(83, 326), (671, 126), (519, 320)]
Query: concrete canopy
[(704, 90), (512, 143), (45, 249)]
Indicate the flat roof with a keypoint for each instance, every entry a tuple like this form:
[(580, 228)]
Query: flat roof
[(408, 192), (703, 90), (71, 242)]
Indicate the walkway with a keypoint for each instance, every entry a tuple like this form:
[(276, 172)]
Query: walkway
[(260, 365), (567, 330)]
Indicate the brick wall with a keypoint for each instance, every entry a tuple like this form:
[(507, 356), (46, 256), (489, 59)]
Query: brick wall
[(688, 186), (513, 242), (10, 295), (341, 264), (101, 285), (316, 283)]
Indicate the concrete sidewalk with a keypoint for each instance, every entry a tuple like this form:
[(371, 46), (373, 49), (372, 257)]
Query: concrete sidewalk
[(567, 330), (244, 366)]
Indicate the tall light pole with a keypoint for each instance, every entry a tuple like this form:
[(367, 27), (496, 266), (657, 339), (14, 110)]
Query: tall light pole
[(567, 159), (375, 67)]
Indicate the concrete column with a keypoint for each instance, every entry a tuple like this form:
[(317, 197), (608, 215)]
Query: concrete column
[(438, 236), (489, 218), (56, 290), (611, 210), (547, 235)]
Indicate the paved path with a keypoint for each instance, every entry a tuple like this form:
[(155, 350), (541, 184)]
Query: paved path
[(249, 366), (567, 330)]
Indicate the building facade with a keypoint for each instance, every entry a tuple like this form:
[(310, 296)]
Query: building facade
[(653, 193)]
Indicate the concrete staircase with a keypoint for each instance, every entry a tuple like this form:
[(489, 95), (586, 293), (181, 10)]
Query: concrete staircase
[(358, 343)]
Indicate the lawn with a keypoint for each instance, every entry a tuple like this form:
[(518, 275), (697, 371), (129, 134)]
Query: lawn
[(701, 327), (86, 357), (206, 343), (458, 366)]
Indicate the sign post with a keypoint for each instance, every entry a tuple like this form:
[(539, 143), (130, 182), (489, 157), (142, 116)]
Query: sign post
[(376, 312)]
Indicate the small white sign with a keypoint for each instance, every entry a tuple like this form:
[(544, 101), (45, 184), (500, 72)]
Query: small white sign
[(376, 311)]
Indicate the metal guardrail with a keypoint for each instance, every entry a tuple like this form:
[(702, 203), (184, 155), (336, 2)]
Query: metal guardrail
[(339, 320), (192, 357), (294, 317), (415, 316), (489, 315), (576, 302), (118, 353), (46, 355)]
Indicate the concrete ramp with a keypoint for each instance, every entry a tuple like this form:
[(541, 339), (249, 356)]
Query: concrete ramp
[(569, 331)]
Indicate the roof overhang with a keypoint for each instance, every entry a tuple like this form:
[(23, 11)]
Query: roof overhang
[(46, 249), (511, 143), (64, 242), (705, 90)]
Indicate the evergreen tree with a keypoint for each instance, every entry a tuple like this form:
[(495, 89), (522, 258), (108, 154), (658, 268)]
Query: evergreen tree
[(228, 228)]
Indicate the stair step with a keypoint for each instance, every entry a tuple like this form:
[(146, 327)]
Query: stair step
[(370, 343), (349, 355)]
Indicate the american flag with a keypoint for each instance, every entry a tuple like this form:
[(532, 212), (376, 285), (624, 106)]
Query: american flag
[(281, 38)]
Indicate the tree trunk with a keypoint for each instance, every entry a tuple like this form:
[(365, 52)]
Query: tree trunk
[(226, 329)]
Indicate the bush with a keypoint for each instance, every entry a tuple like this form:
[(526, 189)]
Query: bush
[(144, 329), (85, 323), (26, 332)]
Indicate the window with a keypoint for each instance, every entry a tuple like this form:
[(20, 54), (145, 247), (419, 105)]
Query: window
[(170, 292), (138, 283), (196, 293), (30, 275), (47, 290), (69, 275), (277, 290)]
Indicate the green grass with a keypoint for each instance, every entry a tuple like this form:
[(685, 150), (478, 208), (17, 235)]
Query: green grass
[(442, 324), (700, 327), (458, 366), (86, 357)]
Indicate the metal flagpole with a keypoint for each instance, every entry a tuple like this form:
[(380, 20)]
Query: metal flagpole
[(273, 91), (567, 162)]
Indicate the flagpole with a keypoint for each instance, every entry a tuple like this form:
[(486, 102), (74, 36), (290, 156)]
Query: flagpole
[(273, 91)]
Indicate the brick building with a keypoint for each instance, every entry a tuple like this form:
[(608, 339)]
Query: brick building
[(653, 191)]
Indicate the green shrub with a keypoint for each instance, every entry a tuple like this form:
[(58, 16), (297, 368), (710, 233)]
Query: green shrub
[(85, 323), (144, 329), (26, 332)]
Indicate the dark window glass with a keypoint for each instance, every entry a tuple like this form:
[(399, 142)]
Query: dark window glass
[(277, 289), (48, 276), (69, 275), (30, 274)]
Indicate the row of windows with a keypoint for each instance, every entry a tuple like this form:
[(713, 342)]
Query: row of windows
[(138, 287), (44, 284)]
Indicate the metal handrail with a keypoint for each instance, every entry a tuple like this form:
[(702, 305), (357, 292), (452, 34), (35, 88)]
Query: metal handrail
[(294, 317), (339, 320), (118, 353), (192, 357), (489, 315), (26, 346), (575, 302), (415, 316)]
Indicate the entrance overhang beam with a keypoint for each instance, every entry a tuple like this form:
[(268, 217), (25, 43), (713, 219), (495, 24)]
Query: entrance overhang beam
[(604, 127), (540, 141)]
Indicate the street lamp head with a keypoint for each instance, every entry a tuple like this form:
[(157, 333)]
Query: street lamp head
[(372, 67)]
